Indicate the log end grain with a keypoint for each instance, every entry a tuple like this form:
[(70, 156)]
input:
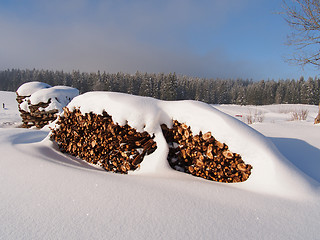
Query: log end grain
[(98, 140), (203, 156)]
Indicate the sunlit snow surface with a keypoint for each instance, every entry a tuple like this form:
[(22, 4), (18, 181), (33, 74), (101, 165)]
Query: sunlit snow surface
[(9, 114), (38, 92), (47, 195), (144, 113), (27, 89)]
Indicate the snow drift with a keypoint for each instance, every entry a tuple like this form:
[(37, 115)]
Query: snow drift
[(271, 173)]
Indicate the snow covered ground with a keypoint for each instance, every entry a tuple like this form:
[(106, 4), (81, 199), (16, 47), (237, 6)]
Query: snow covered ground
[(47, 195), (9, 115)]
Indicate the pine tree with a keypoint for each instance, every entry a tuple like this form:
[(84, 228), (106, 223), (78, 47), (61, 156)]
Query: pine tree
[(146, 86), (168, 87)]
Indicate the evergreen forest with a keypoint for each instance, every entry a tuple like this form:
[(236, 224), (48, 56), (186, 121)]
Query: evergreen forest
[(175, 87)]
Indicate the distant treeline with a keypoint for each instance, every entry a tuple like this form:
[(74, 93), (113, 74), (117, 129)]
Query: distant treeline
[(174, 87)]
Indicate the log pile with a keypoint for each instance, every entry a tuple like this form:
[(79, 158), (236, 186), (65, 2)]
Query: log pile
[(20, 99), (36, 116), (203, 156), (317, 119), (98, 140)]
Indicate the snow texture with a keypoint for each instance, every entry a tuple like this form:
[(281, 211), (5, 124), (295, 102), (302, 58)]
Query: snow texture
[(147, 114), (38, 92), (9, 114), (60, 97), (48, 195), (29, 88)]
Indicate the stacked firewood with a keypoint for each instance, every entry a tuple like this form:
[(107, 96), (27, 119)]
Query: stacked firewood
[(36, 116), (20, 99), (317, 119), (202, 155), (98, 140)]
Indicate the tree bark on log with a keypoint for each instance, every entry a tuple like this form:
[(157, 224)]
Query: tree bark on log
[(36, 117), (317, 119), (98, 140), (203, 156)]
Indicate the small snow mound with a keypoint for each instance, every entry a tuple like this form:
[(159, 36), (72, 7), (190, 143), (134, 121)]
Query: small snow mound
[(60, 96), (29, 88)]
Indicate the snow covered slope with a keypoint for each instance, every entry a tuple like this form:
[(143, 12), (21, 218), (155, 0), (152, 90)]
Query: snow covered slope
[(47, 195)]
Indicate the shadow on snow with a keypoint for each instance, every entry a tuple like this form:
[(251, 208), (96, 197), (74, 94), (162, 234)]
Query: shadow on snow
[(303, 155), (30, 143)]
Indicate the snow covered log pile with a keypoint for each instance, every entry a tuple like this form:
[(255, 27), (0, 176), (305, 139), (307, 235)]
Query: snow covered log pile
[(317, 119), (34, 117), (117, 131), (98, 140), (39, 103), (202, 155)]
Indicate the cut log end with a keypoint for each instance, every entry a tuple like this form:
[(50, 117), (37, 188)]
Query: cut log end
[(98, 140), (203, 156)]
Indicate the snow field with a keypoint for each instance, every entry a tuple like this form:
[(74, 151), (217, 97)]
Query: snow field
[(9, 115), (47, 195)]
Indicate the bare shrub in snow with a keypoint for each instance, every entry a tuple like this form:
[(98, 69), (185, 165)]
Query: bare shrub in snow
[(300, 114), (249, 119), (257, 116)]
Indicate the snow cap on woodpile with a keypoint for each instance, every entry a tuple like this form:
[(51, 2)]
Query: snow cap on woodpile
[(60, 96), (29, 88), (39, 103), (271, 173)]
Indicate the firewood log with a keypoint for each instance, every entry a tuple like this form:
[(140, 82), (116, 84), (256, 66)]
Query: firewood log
[(116, 148), (203, 156)]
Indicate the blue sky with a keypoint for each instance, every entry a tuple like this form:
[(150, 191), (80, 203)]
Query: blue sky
[(205, 38)]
